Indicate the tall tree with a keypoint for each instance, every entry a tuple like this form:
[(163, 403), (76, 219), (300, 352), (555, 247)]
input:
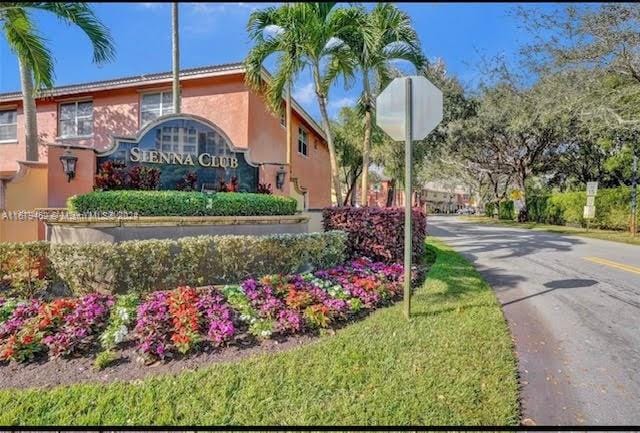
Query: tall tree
[(274, 32), (34, 58), (348, 132), (327, 56), (312, 37), (175, 51), (384, 35), (605, 36)]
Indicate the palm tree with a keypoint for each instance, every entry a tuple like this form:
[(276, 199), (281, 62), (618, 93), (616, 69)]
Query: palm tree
[(387, 35), (175, 51), (274, 32), (312, 36), (34, 58)]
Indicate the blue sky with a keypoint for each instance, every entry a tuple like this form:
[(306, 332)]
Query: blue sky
[(214, 33)]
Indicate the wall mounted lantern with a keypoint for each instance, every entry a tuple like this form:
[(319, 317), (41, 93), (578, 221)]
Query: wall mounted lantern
[(280, 174), (69, 160)]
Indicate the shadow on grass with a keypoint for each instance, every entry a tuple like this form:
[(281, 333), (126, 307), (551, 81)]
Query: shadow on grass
[(452, 284)]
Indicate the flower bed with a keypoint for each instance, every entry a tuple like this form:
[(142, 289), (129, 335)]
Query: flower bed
[(170, 323)]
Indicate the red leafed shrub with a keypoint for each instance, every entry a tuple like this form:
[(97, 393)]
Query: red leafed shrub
[(264, 188), (188, 182), (114, 175), (377, 232)]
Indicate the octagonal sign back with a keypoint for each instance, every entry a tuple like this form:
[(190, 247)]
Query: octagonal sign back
[(426, 107)]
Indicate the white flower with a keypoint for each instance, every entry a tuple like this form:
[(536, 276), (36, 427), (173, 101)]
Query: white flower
[(124, 314), (120, 334)]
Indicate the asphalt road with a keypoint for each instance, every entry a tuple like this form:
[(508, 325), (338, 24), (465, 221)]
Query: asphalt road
[(573, 307)]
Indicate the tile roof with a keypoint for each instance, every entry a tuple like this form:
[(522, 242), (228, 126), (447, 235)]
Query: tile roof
[(125, 81), (94, 86)]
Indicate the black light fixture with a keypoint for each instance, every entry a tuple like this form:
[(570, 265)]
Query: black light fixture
[(280, 174), (69, 160)]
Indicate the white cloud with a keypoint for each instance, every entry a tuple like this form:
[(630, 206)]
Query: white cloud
[(202, 18), (342, 102), (272, 31), (152, 5), (305, 94)]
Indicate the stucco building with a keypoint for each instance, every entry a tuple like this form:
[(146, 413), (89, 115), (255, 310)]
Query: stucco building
[(218, 114)]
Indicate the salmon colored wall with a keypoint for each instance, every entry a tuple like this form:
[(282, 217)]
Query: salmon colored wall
[(268, 137), (25, 192), (223, 100), (11, 153), (313, 171), (59, 188)]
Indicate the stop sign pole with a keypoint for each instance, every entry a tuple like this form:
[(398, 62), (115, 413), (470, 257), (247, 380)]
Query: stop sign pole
[(407, 109), (408, 233)]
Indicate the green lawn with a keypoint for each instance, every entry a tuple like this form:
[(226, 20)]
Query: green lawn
[(451, 364), (607, 235)]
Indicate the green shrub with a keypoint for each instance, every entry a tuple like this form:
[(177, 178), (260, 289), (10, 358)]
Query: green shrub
[(24, 268), (613, 209), (147, 265), (506, 210), (181, 203)]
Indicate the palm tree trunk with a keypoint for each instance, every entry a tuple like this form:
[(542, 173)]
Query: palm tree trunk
[(366, 145), (29, 108), (289, 128), (175, 51), (327, 130)]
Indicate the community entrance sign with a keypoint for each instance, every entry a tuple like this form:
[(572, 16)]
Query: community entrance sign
[(408, 109), (181, 145)]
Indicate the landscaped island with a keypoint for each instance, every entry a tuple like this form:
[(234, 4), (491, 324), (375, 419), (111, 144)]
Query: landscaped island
[(453, 363)]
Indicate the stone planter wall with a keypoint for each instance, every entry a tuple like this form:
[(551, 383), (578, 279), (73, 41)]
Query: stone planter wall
[(117, 230)]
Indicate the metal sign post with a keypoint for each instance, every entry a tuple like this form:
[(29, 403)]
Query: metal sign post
[(408, 250), (409, 108)]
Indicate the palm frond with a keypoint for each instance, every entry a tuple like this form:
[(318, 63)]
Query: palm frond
[(26, 43), (81, 14)]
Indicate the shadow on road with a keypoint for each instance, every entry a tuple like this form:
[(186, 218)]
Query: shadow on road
[(513, 242), (572, 283)]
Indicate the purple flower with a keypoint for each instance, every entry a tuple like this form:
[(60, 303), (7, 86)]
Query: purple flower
[(289, 321), (81, 326), (218, 317)]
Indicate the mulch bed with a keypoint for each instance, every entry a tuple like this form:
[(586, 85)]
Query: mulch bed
[(48, 373)]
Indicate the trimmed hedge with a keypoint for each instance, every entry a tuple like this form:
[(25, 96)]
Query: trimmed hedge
[(157, 264), (181, 203), (613, 208), (506, 210), (29, 269), (377, 233)]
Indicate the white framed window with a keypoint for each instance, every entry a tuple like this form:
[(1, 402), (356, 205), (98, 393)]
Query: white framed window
[(283, 120), (177, 139), (8, 126), (303, 141), (154, 105), (75, 119)]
